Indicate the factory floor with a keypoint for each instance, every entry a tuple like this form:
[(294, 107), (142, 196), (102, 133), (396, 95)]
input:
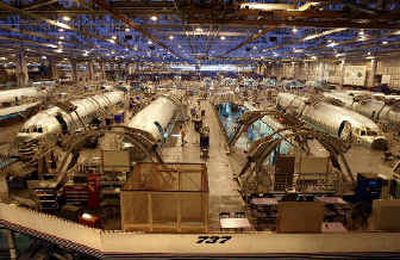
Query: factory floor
[(223, 190)]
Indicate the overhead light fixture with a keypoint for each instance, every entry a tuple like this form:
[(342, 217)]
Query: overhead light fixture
[(199, 30), (66, 18), (332, 44), (127, 30), (61, 30), (361, 33), (60, 42), (294, 30), (154, 18), (111, 40), (369, 53), (385, 42), (171, 37), (44, 57), (61, 37), (114, 37), (149, 42), (314, 57), (62, 25), (222, 38), (52, 46), (58, 50), (362, 38), (278, 6), (314, 36)]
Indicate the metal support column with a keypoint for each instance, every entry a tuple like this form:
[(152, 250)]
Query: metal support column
[(102, 71), (91, 71), (21, 69), (74, 66), (53, 68), (371, 74)]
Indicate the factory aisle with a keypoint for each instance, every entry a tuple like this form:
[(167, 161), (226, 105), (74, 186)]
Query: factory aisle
[(223, 193)]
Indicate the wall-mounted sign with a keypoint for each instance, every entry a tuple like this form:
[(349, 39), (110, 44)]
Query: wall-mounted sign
[(385, 79), (355, 75)]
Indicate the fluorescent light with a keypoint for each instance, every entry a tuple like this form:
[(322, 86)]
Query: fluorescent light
[(127, 30), (61, 37), (294, 30), (369, 53), (314, 57), (267, 6), (111, 40), (52, 46), (198, 29), (62, 25), (171, 37), (149, 42), (385, 42), (66, 18), (222, 38), (314, 36), (154, 18), (114, 37), (58, 50), (60, 30), (362, 38), (332, 44)]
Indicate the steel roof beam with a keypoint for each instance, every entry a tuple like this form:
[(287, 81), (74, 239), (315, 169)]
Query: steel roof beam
[(125, 19)]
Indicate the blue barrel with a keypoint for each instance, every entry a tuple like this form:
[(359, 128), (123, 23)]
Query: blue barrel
[(118, 118)]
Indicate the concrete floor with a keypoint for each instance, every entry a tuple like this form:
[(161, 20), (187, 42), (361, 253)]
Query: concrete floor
[(223, 190)]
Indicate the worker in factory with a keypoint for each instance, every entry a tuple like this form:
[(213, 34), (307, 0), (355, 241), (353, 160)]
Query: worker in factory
[(204, 141), (183, 136)]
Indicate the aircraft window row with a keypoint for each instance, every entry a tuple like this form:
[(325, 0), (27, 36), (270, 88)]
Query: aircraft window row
[(367, 132), (32, 129)]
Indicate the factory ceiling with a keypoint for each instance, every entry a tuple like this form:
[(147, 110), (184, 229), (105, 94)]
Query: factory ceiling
[(199, 31)]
